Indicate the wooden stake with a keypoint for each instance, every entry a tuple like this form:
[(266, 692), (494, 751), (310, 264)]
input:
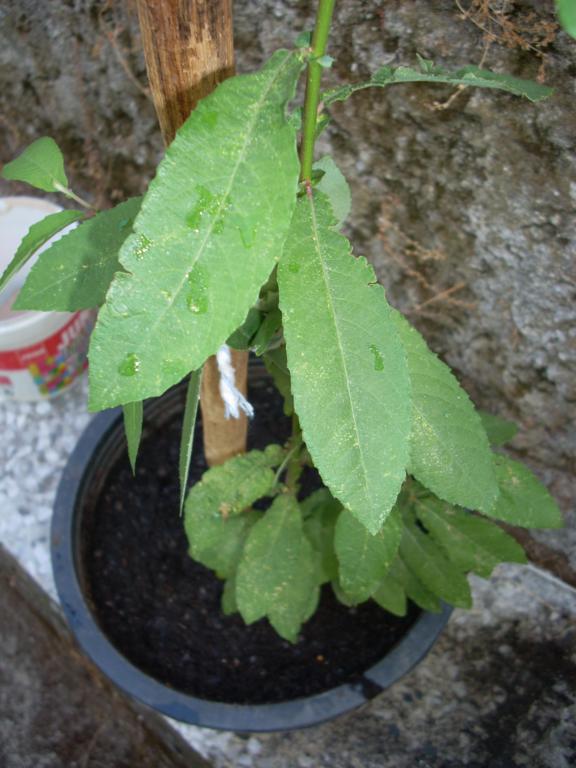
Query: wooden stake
[(189, 49)]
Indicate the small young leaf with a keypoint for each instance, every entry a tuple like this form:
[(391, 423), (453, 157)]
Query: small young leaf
[(242, 336), (269, 326), (228, 601), (348, 369), (277, 366), (208, 235), (335, 187), (325, 61), (76, 271), (470, 542), (428, 73), (449, 452), (320, 511), (499, 431), (364, 559), (277, 575), (133, 414), (36, 237), (566, 10), (303, 40), (413, 587), (437, 574), (523, 500), (41, 165), (188, 425), (391, 596)]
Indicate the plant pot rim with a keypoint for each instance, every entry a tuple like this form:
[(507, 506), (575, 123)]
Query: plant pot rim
[(80, 470)]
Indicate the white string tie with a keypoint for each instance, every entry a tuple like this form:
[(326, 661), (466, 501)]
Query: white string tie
[(234, 400)]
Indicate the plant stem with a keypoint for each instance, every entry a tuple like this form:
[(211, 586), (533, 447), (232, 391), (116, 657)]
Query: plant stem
[(295, 467), (73, 196), (319, 40)]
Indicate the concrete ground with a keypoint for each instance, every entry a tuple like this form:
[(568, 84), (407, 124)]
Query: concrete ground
[(497, 691)]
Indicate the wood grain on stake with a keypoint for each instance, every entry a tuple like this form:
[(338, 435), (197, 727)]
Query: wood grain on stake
[(189, 49)]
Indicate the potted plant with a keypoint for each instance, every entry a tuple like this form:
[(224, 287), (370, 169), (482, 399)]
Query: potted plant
[(237, 244)]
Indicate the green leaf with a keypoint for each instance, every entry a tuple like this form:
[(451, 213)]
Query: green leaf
[(187, 437), (523, 500), (449, 452), (341, 595), (364, 559), (207, 237), (437, 574), (566, 10), (391, 596), (242, 336), (41, 165), (76, 271), (335, 187), (269, 326), (228, 600), (215, 521), (428, 73), (133, 414), (277, 366), (348, 370), (498, 431), (413, 587), (320, 511), (325, 61), (36, 237), (470, 542), (277, 574)]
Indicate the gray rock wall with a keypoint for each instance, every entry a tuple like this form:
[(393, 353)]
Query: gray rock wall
[(468, 211)]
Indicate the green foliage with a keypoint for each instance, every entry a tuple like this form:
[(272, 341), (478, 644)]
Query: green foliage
[(413, 587), (37, 236), (335, 187), (523, 500), (449, 452), (499, 431), (133, 415), (76, 271), (223, 196), (429, 73), (277, 366), (277, 577), (566, 10), (391, 596), (348, 369), (41, 165), (187, 437), (320, 511)]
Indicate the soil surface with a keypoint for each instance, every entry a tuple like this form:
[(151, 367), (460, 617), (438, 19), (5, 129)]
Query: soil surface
[(162, 610)]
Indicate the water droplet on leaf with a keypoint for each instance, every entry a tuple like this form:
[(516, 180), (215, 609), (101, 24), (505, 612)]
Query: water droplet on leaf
[(130, 365), (378, 359), (142, 245), (197, 299)]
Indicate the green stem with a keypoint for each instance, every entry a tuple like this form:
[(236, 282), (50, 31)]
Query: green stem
[(319, 40), (73, 196), (295, 466)]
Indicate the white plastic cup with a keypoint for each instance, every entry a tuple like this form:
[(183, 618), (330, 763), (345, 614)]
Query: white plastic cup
[(41, 353)]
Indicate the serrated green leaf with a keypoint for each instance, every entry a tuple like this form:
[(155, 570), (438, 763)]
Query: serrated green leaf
[(228, 600), (413, 587), (277, 575), (41, 165), (433, 570), (334, 185), (566, 10), (391, 596), (242, 336), (271, 323), (523, 500), (428, 73), (187, 436), (363, 558), (449, 451), (320, 511), (133, 415), (35, 238), (210, 229), (472, 543), (76, 271), (216, 522), (348, 370), (498, 431), (277, 366)]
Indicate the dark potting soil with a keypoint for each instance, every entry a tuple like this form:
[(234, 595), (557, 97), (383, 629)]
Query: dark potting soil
[(162, 610)]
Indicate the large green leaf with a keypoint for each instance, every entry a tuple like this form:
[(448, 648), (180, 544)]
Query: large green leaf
[(35, 238), (209, 232), (133, 416), (348, 369), (449, 451), (566, 10), (335, 187), (498, 430), (523, 500), (363, 558), (391, 596), (187, 436), (41, 165), (472, 543), (216, 522), (433, 570), (320, 511), (413, 587), (277, 576), (76, 271), (429, 73)]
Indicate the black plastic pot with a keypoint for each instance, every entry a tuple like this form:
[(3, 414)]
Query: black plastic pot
[(99, 448)]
